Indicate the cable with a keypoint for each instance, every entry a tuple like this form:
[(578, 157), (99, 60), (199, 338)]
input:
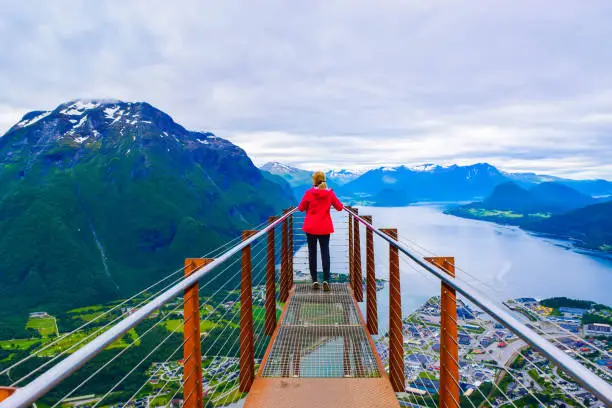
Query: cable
[(139, 337), (501, 339), (218, 337), (98, 330)]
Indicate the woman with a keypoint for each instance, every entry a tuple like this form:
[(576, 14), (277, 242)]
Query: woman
[(318, 225)]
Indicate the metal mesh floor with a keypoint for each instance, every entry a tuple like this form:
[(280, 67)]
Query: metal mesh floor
[(332, 309), (335, 288), (321, 351), (321, 336)]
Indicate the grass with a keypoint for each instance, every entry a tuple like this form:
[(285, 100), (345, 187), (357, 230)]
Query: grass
[(45, 325), (540, 215), (429, 376), (480, 212), (87, 317), (177, 325), (87, 309), (20, 344)]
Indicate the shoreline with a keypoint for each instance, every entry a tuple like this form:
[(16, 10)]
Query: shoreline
[(561, 240)]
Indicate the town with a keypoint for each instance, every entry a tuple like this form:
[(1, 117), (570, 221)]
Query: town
[(497, 366)]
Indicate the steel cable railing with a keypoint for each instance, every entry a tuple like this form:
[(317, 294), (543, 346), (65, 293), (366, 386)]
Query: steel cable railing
[(49, 379), (89, 323), (258, 329), (553, 339), (140, 337), (110, 390), (503, 368), (495, 383), (100, 316), (220, 336), (508, 399), (588, 379), (418, 379)]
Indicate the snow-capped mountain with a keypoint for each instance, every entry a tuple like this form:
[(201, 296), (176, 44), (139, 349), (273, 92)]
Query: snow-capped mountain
[(343, 176), (106, 196), (91, 124), (294, 176), (401, 185)]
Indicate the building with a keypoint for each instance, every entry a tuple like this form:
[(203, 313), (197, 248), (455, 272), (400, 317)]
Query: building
[(572, 311), (573, 327), (597, 329), (527, 301), (39, 315), (464, 339)]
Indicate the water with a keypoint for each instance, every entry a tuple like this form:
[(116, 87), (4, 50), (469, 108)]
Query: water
[(505, 262)]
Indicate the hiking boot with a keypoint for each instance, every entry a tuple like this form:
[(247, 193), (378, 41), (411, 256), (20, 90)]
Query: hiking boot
[(315, 286), (325, 286)]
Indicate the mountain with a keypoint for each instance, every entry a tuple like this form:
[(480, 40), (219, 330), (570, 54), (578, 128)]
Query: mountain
[(561, 197), (99, 198), (510, 196), (511, 203), (388, 186), (547, 197), (294, 176), (341, 177), (590, 227), (301, 180), (594, 188)]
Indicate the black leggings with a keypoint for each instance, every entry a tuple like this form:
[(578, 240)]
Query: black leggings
[(312, 255)]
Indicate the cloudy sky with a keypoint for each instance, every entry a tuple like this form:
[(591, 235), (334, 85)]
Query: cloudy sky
[(525, 85)]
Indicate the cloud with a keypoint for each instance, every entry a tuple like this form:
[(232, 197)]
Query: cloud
[(525, 85)]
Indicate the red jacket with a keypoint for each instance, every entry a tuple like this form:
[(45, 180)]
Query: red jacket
[(316, 203)]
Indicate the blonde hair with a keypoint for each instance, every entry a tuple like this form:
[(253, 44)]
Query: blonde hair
[(318, 180)]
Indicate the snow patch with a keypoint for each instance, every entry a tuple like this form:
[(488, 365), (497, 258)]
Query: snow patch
[(25, 123), (425, 167), (79, 107), (389, 169), (109, 113), (81, 139), (203, 141), (81, 122)]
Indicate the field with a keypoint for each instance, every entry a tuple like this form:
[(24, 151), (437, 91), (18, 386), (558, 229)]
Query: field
[(45, 326), (177, 325), (479, 212), (19, 344)]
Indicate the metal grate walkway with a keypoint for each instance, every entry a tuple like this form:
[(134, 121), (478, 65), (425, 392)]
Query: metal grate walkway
[(321, 355), (321, 336)]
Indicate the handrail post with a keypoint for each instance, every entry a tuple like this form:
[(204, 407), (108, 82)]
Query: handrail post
[(371, 306), (396, 346), (6, 392), (270, 324), (350, 245), (193, 396), (247, 346), (449, 337), (357, 271), (284, 272)]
